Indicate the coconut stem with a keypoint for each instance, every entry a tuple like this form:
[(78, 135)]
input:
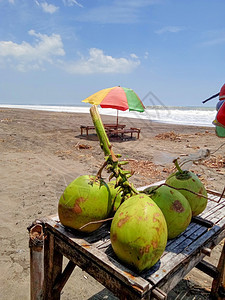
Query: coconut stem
[(99, 127), (178, 189), (95, 222), (177, 166), (112, 163)]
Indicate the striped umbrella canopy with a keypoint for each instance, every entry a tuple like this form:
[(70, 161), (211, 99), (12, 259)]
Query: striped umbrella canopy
[(117, 97), (219, 121)]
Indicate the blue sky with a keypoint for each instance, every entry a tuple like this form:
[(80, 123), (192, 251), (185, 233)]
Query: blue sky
[(60, 52)]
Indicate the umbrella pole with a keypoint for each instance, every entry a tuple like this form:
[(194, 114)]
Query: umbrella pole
[(117, 119), (210, 98)]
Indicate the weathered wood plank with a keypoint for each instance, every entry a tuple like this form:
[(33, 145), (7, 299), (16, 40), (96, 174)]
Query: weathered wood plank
[(218, 285), (52, 268), (169, 281), (207, 213), (36, 243), (174, 259), (86, 250), (207, 268), (220, 222), (63, 277), (125, 284), (190, 234), (183, 262)]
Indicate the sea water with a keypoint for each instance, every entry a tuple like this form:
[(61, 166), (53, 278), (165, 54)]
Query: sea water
[(196, 116)]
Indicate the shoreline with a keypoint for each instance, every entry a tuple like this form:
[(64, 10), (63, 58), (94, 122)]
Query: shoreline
[(42, 152), (170, 115)]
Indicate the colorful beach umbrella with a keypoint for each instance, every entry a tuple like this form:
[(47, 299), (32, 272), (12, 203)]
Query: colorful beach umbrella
[(220, 131), (220, 117), (219, 121), (117, 97)]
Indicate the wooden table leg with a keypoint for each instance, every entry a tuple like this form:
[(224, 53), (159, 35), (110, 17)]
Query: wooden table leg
[(52, 268), (218, 285), (36, 261)]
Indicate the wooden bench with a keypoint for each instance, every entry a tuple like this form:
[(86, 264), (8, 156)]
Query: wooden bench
[(108, 127), (86, 128), (93, 253), (121, 132)]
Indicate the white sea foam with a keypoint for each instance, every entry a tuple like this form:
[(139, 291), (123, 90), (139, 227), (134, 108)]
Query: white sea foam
[(195, 116)]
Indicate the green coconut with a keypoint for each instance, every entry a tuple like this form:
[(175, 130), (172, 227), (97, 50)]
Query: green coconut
[(188, 180), (139, 232), (85, 200), (116, 196), (175, 207)]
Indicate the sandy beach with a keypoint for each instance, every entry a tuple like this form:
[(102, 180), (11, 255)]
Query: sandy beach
[(42, 152)]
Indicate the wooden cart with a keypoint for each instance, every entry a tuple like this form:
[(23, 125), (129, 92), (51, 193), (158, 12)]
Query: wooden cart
[(93, 254)]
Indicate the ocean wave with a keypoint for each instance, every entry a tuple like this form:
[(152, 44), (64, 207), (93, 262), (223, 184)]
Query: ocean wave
[(196, 116)]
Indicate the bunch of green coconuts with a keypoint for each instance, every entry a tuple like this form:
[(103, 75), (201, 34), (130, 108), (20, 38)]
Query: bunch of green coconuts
[(142, 222)]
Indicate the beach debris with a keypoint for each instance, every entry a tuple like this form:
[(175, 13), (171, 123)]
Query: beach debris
[(184, 160), (172, 136), (187, 160), (217, 162), (147, 168), (6, 120), (63, 153), (204, 156), (187, 182), (175, 207), (82, 146)]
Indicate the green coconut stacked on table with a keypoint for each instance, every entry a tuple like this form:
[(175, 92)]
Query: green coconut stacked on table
[(141, 221), (86, 199), (175, 207), (191, 187)]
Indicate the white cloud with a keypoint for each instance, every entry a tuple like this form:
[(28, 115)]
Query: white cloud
[(146, 55), (135, 3), (170, 29), (98, 62), (71, 3), (117, 11), (133, 55), (11, 1), (214, 42), (46, 49), (213, 38), (26, 57), (49, 8)]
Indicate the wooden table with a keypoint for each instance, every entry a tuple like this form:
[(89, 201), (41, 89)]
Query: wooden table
[(93, 254), (108, 127), (119, 132)]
